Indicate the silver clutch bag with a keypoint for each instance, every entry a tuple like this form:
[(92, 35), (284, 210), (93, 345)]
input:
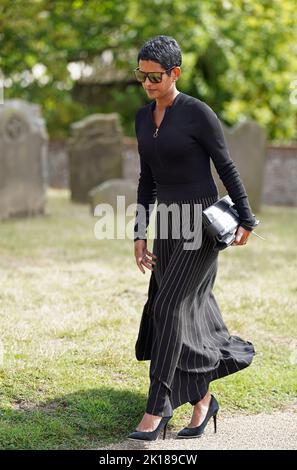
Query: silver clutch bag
[(221, 221)]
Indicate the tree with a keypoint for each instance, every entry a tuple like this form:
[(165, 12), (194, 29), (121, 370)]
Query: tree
[(239, 56)]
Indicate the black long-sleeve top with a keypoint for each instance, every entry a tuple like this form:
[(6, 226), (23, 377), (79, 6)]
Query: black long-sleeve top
[(175, 159)]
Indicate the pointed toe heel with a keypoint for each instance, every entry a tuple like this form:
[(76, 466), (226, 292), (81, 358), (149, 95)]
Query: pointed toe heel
[(151, 435), (199, 430)]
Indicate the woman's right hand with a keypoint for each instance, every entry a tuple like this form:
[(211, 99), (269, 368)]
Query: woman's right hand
[(142, 256)]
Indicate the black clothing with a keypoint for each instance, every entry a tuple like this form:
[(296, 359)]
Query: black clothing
[(182, 331), (176, 163)]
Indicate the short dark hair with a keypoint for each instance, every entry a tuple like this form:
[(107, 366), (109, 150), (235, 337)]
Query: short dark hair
[(163, 50)]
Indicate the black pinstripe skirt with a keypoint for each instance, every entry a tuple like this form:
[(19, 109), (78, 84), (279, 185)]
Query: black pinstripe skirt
[(182, 331)]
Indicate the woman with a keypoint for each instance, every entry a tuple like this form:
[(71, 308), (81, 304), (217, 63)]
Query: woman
[(181, 331)]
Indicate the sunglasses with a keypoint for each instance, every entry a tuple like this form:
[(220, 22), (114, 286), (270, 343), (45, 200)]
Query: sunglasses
[(154, 77)]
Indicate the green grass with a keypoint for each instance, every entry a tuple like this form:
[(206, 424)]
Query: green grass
[(70, 308)]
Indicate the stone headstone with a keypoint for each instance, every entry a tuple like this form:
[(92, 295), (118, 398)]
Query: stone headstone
[(108, 191), (280, 178), (95, 153), (247, 147), (23, 159)]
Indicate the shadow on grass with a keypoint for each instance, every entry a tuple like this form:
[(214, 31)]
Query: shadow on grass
[(81, 420)]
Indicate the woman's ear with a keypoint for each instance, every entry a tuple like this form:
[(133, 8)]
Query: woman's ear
[(177, 72)]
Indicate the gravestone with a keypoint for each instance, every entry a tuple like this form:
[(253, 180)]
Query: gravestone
[(23, 159), (95, 153), (108, 191), (247, 147)]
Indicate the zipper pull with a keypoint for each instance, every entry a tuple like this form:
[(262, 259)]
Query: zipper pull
[(156, 132)]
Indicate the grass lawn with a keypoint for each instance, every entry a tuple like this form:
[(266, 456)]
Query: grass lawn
[(70, 311)]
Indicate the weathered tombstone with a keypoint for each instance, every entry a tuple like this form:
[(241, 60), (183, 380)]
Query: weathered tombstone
[(23, 159), (118, 194), (95, 153), (247, 146), (108, 191)]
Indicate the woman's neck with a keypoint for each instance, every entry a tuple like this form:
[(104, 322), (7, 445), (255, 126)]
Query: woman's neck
[(166, 101)]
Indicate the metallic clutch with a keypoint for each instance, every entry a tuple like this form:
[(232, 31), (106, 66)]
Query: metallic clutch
[(221, 221)]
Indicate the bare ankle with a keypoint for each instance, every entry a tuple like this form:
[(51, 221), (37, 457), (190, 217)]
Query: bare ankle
[(206, 399)]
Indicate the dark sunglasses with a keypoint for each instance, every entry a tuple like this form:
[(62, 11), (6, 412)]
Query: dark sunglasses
[(154, 77)]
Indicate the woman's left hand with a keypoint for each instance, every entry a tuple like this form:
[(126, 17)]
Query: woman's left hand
[(241, 236)]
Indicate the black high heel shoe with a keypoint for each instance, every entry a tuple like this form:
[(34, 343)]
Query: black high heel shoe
[(199, 430), (151, 435)]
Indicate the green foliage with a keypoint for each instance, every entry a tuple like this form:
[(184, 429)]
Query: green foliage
[(239, 56)]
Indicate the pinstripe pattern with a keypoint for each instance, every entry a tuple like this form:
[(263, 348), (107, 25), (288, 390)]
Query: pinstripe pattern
[(182, 331)]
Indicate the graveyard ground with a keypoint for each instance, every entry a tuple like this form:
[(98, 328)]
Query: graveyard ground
[(70, 307)]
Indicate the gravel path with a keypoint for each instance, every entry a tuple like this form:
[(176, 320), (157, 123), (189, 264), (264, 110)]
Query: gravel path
[(262, 431)]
